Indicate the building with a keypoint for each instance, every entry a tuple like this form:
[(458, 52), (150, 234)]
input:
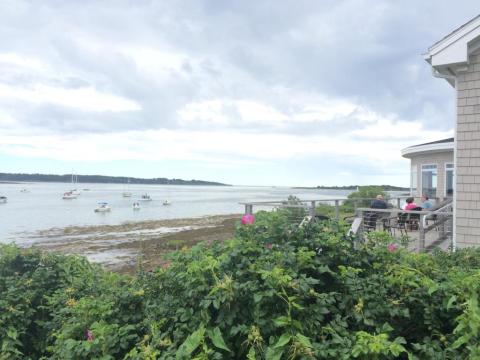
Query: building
[(432, 168), (456, 58)]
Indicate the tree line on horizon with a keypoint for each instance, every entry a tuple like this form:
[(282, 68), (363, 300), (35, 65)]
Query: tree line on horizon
[(8, 177)]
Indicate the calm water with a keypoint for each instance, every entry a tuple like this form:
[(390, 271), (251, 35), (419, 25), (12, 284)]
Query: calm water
[(43, 207)]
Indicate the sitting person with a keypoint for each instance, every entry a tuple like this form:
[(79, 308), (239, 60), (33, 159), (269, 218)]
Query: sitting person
[(379, 203), (426, 203), (410, 205)]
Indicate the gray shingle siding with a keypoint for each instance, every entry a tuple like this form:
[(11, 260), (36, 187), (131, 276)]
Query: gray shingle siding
[(468, 155)]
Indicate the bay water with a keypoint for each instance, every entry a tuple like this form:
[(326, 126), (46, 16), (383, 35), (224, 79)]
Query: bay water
[(41, 207)]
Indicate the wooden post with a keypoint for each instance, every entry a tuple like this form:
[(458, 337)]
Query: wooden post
[(421, 234), (337, 210), (398, 203), (311, 210), (248, 209)]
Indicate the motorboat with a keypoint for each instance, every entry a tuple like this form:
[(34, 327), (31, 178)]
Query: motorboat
[(166, 202), (3, 199), (103, 207), (136, 206), (75, 192), (69, 195), (145, 197)]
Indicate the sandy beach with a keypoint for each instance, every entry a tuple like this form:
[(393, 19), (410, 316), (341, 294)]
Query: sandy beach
[(121, 247)]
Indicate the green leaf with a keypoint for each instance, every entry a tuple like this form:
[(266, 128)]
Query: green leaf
[(12, 333), (451, 301), (281, 321), (273, 354), (217, 339), (282, 341), (305, 341), (191, 343)]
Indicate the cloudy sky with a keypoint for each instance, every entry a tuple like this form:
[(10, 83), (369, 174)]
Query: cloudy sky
[(265, 92)]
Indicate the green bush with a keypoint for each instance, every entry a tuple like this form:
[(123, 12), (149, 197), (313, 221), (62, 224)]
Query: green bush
[(363, 192), (276, 291)]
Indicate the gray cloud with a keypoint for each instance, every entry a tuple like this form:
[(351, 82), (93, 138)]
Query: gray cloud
[(364, 51)]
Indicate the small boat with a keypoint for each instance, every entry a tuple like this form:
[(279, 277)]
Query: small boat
[(24, 190), (69, 195), (103, 207), (85, 189), (3, 199), (166, 202), (136, 206), (75, 192), (145, 197)]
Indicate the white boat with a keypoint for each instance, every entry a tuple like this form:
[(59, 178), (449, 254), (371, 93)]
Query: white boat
[(69, 195), (3, 199), (75, 192), (145, 197), (166, 202), (103, 207), (136, 206)]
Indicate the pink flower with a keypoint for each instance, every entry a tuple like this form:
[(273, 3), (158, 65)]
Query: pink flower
[(248, 219), (89, 334), (392, 247), (268, 246)]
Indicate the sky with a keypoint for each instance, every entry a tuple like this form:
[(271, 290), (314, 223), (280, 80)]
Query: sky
[(285, 93)]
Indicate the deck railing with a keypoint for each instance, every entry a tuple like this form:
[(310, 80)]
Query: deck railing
[(433, 228), (438, 232), (311, 205)]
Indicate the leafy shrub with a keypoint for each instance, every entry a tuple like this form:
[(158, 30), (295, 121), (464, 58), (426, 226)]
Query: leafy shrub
[(276, 291), (363, 192)]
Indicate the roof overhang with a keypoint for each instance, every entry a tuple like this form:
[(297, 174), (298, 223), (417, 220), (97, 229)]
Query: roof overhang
[(413, 151), (449, 56)]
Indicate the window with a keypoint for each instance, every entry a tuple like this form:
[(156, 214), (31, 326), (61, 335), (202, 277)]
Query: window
[(429, 180), (449, 181), (413, 181)]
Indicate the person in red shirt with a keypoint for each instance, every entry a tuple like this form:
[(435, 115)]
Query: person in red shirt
[(410, 205)]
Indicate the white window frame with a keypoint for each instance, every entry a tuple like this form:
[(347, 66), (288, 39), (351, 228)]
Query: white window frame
[(411, 180), (445, 182), (421, 177)]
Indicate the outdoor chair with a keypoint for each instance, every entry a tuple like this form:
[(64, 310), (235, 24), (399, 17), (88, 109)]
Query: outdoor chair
[(413, 220), (399, 222)]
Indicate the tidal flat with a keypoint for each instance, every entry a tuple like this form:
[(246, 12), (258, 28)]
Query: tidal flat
[(124, 247)]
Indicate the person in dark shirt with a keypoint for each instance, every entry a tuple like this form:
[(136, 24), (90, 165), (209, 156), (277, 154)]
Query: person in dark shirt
[(378, 203)]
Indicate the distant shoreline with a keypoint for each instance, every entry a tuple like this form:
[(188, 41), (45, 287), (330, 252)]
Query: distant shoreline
[(8, 178)]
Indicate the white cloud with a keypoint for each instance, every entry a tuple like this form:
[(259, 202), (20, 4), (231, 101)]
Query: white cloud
[(21, 61), (154, 60), (407, 131), (84, 99)]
